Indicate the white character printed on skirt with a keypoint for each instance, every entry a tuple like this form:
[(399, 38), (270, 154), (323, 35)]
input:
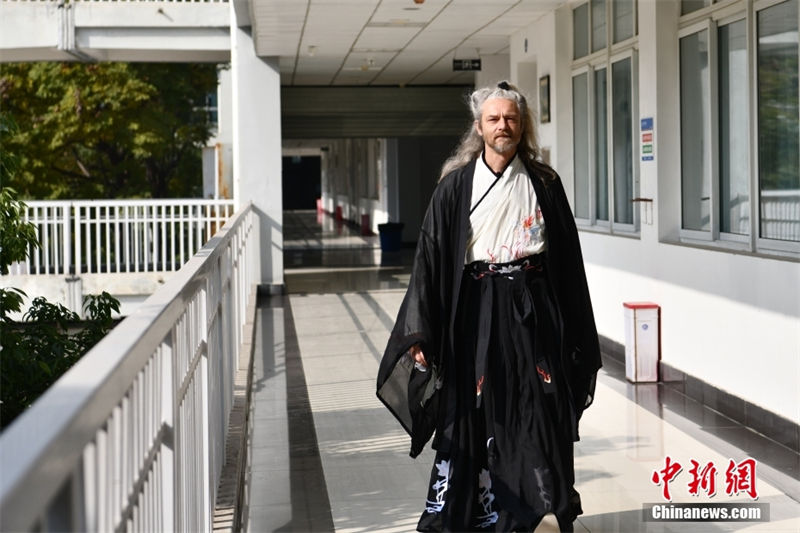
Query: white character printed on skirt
[(486, 498), (444, 471)]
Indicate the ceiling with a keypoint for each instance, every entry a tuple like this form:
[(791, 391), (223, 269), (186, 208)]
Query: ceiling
[(385, 42)]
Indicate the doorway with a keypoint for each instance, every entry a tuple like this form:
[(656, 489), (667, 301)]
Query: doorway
[(301, 182)]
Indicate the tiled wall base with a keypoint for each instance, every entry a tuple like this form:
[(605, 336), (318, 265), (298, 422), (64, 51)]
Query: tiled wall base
[(772, 426)]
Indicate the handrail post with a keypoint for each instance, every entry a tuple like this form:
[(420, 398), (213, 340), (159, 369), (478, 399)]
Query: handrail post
[(66, 241)]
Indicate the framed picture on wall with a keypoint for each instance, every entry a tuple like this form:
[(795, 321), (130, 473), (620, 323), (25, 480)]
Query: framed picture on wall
[(544, 99)]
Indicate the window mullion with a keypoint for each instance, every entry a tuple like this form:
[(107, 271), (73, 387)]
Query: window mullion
[(610, 118), (752, 82), (637, 136), (590, 123), (713, 109), (752, 114)]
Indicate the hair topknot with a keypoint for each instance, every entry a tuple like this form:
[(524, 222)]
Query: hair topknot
[(503, 90)]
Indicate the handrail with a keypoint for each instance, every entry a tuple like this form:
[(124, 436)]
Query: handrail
[(113, 236), (133, 436)]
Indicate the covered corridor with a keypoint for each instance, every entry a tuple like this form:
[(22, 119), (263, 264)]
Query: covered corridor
[(325, 455)]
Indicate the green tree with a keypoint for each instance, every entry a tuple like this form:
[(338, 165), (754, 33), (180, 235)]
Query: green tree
[(34, 353), (106, 130)]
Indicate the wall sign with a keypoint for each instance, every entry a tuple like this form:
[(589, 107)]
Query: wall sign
[(647, 150)]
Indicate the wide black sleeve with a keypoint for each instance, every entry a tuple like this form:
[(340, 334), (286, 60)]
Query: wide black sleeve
[(583, 347), (418, 321)]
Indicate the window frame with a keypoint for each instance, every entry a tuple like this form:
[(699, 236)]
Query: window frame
[(711, 148), (711, 18), (585, 69), (589, 64), (622, 227), (761, 243)]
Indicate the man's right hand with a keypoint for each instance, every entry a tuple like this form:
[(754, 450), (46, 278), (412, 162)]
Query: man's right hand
[(417, 355)]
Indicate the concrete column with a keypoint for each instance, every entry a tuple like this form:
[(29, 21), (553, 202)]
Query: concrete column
[(257, 147), (659, 98)]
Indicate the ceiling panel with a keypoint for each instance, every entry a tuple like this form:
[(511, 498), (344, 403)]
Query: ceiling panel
[(385, 38), (331, 42), (371, 60), (391, 10)]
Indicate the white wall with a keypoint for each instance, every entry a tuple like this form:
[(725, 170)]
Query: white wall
[(128, 287), (729, 319), (494, 68)]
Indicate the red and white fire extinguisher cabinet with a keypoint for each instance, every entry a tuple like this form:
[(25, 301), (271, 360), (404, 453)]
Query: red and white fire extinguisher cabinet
[(642, 341)]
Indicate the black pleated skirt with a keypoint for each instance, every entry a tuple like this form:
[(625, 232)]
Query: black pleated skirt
[(510, 459)]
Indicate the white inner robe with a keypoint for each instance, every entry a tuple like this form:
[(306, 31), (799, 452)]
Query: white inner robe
[(507, 225)]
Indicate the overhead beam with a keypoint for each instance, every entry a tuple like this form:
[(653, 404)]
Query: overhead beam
[(115, 31), (347, 112)]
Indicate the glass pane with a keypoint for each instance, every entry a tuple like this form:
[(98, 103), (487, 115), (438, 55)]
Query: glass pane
[(778, 130), (580, 31), (598, 25), (623, 19), (695, 133), (687, 6), (580, 128), (733, 130), (622, 116), (600, 146)]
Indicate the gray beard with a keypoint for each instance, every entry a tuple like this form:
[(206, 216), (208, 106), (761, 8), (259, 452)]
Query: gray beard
[(504, 148)]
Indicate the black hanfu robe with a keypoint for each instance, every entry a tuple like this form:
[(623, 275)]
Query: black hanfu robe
[(448, 313)]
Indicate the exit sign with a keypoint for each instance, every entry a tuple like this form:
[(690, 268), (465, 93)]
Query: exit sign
[(466, 64)]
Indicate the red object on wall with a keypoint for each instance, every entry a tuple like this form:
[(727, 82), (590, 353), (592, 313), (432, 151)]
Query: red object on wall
[(338, 213), (365, 227)]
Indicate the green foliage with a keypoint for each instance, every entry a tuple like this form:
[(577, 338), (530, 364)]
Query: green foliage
[(39, 350), (16, 236), (9, 161), (106, 130), (34, 353)]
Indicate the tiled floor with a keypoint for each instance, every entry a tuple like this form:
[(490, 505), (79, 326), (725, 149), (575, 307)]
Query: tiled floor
[(326, 455)]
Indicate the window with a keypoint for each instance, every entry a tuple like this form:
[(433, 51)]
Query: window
[(598, 25), (624, 12), (740, 134), (687, 6), (695, 132), (600, 146), (778, 137), (604, 128), (580, 31), (589, 24), (622, 123), (211, 109), (733, 175), (580, 127)]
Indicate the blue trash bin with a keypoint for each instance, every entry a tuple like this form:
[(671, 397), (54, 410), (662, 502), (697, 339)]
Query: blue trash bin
[(391, 236)]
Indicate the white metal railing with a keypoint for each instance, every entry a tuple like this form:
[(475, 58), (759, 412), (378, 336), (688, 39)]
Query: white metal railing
[(780, 214), (132, 437), (126, 1), (114, 236)]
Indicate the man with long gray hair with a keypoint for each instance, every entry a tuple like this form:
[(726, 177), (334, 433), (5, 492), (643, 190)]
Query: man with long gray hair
[(495, 347)]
